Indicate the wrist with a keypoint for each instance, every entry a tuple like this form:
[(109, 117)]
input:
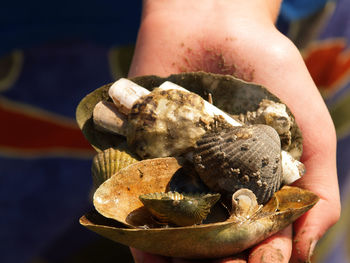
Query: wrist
[(269, 9)]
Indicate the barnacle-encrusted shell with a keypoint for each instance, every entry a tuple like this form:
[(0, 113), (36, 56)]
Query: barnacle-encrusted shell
[(108, 162), (166, 123), (241, 157), (179, 209), (275, 115)]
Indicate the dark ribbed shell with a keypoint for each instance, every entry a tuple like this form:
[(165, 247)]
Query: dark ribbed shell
[(241, 157), (179, 209)]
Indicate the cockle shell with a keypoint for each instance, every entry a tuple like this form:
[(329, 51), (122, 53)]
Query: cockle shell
[(108, 162), (240, 157), (179, 209), (117, 198)]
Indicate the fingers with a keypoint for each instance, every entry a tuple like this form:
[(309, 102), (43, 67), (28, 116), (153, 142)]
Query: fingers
[(240, 258), (143, 257), (309, 228), (321, 179), (277, 248)]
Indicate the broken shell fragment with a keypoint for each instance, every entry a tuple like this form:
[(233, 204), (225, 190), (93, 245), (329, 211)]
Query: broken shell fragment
[(292, 168), (124, 93), (107, 118), (179, 209), (241, 157), (108, 162)]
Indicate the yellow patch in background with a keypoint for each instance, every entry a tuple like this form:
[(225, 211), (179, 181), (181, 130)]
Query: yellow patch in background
[(10, 68)]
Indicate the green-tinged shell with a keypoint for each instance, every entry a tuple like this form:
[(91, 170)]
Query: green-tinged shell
[(108, 162), (117, 199), (230, 94), (179, 209)]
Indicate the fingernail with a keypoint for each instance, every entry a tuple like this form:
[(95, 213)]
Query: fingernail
[(312, 249)]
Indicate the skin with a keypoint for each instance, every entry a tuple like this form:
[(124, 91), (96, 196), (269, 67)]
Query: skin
[(239, 38)]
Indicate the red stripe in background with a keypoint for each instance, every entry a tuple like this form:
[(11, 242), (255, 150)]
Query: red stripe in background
[(19, 130), (328, 63)]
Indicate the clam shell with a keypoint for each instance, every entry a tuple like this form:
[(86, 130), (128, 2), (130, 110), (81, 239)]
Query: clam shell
[(241, 157), (108, 162), (230, 94), (179, 209), (117, 198)]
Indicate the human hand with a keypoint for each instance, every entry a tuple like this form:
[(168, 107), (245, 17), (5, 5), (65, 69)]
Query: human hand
[(239, 38)]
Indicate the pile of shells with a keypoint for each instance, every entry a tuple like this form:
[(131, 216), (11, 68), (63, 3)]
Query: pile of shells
[(207, 175)]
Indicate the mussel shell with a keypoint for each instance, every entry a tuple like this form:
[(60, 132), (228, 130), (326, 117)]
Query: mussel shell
[(230, 94), (108, 162), (241, 157), (179, 209)]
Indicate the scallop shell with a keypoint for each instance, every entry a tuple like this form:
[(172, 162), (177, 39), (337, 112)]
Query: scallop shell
[(241, 157), (108, 162), (117, 199), (179, 209)]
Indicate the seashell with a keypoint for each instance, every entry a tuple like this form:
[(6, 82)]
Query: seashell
[(166, 123), (122, 217), (241, 157), (107, 118), (117, 199), (179, 209), (244, 205), (230, 94), (276, 115), (107, 163)]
